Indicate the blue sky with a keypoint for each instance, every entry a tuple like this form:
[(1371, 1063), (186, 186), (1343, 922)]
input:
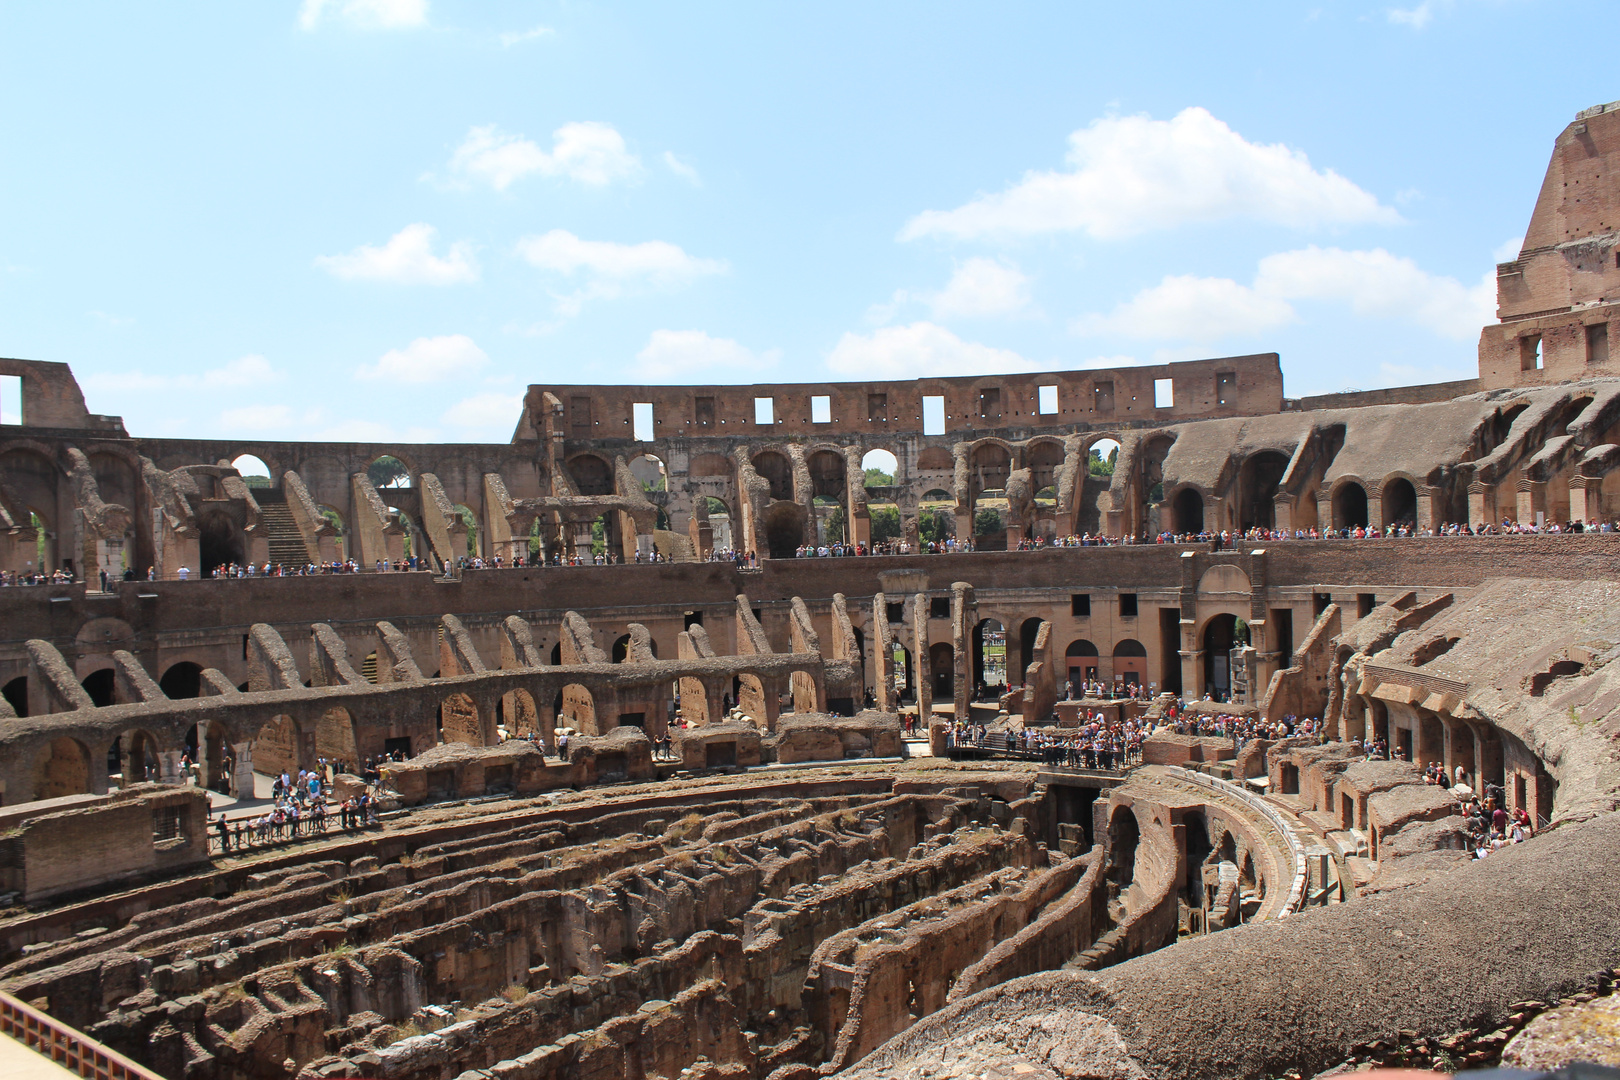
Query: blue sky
[(382, 219)]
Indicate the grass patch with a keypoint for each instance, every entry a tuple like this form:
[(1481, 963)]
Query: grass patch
[(515, 993)]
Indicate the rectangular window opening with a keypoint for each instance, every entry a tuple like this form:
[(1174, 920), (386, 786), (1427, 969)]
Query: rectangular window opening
[(934, 415), (765, 411), (1048, 402), (641, 416), (1597, 345), (821, 409), (1080, 605), (939, 607), (1365, 602), (1127, 605), (1530, 352), (11, 399), (1164, 393)]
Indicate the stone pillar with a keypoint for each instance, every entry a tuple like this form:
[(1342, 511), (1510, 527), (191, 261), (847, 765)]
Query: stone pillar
[(98, 772), (1481, 504), (1192, 661), (909, 526), (1426, 518), (1585, 498), (883, 655), (1282, 512), (169, 767), (1324, 511), (1530, 497), (242, 776), (1375, 509), (964, 526), (919, 659)]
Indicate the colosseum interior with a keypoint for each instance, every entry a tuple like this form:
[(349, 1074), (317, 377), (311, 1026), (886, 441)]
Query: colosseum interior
[(651, 810)]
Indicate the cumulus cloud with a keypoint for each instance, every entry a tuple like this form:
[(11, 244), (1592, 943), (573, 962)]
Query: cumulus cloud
[(606, 268), (1509, 249), (1373, 283), (256, 418), (488, 417), (427, 359), (982, 287), (589, 152), (682, 169), (671, 355), (1133, 174), (1201, 309), (1379, 284), (250, 370), (1416, 17), (922, 349), (365, 14), (407, 258)]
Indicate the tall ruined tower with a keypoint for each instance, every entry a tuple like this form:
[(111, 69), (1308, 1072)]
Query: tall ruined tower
[(1559, 301)]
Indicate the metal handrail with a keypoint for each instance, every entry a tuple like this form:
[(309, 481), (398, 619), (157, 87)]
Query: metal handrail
[(68, 1047)]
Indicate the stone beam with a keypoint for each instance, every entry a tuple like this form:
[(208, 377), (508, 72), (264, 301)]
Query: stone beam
[(457, 656), (394, 648), (329, 659), (51, 685), (270, 662)]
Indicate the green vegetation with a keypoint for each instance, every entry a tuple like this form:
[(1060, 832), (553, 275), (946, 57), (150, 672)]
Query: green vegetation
[(987, 521), (935, 527), (1240, 632), (834, 522), (878, 478), (886, 523), (1100, 466), (388, 471)]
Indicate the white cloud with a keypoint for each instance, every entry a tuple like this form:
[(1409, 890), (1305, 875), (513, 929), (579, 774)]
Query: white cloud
[(922, 349), (672, 355), (1509, 249), (1416, 17), (589, 152), (407, 258), (982, 287), (682, 169), (607, 268), (1200, 309), (1373, 283), (366, 14), (1379, 284), (489, 417), (518, 37), (1134, 174), (427, 359), (252, 370)]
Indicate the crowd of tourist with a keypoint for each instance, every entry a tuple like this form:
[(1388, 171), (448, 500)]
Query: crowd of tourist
[(35, 577)]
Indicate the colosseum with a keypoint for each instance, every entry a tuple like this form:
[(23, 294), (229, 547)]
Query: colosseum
[(1131, 723)]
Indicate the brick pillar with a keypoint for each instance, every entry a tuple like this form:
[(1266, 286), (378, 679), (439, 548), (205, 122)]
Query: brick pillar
[(1585, 498), (1324, 511), (1530, 497), (1282, 513), (1425, 509), (1481, 504)]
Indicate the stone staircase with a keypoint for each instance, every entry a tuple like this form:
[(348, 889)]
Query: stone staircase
[(286, 542)]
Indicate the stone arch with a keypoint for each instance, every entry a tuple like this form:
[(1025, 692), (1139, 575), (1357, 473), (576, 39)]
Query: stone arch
[(576, 709), (1399, 503), (591, 474), (252, 465), (989, 653), (1026, 648), (882, 459), (1124, 837), (776, 470), (390, 471), (1082, 663), (1258, 481), (458, 721), (1130, 662), (16, 694), (1198, 849), (275, 747), (827, 468), (1043, 457), (100, 684), (1225, 578), (784, 529), (1218, 635), (335, 737), (519, 713), (650, 471), (181, 680), (138, 760), (63, 768), (1349, 504), (1188, 506), (219, 541), (989, 465)]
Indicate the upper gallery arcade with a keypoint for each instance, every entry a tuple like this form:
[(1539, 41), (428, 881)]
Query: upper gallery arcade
[(1201, 446)]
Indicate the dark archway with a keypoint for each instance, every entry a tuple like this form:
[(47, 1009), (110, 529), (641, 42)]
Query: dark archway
[(777, 471), (1350, 506), (1400, 502), (1189, 511), (942, 668), (182, 680), (784, 529), (1130, 662), (1123, 836), (1082, 663), (16, 694), (219, 542), (1026, 650), (989, 654), (1219, 635), (99, 685), (1258, 483)]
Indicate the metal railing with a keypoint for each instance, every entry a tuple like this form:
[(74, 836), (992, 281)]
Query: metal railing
[(71, 1049)]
